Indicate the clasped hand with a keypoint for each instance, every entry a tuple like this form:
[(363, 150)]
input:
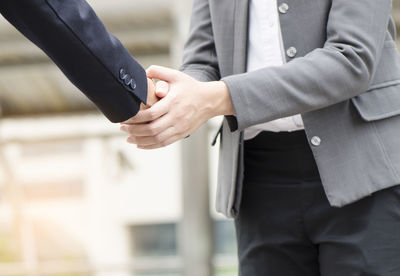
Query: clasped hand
[(177, 106)]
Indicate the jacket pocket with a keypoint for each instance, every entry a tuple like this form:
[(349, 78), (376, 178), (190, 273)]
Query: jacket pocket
[(380, 103), (382, 99), (388, 68)]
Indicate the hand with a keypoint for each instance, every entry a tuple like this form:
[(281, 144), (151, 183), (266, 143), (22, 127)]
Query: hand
[(188, 104), (155, 91), (151, 95)]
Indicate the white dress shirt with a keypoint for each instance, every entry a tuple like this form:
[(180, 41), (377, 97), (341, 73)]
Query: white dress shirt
[(265, 48)]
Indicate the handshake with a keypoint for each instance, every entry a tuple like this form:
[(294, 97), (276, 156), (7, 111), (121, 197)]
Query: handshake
[(177, 105)]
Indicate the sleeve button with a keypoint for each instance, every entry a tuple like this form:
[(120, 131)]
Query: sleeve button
[(133, 84), (127, 80), (122, 74)]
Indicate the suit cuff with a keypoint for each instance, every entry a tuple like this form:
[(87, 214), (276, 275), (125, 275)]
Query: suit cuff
[(244, 115), (240, 120)]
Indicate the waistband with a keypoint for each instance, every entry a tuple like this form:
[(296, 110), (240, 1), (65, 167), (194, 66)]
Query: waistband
[(279, 156), (278, 140)]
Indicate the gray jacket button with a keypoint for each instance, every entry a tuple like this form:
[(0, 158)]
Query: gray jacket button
[(283, 8), (316, 141), (291, 52)]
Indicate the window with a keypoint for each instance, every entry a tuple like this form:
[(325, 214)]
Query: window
[(154, 240)]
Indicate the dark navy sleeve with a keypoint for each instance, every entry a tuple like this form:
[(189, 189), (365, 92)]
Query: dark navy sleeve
[(96, 62)]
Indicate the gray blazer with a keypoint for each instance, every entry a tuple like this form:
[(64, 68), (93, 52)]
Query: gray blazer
[(342, 74)]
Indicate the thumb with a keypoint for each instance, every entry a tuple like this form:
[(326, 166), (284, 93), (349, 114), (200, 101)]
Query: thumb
[(162, 89), (162, 73)]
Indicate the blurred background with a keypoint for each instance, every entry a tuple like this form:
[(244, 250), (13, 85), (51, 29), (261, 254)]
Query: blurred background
[(75, 198)]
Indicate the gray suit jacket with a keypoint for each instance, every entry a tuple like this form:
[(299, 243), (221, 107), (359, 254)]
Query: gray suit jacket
[(342, 74)]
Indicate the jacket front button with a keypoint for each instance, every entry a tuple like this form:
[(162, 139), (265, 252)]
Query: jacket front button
[(316, 141), (291, 52), (283, 8)]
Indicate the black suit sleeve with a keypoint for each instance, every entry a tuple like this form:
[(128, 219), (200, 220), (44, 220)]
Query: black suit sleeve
[(71, 34)]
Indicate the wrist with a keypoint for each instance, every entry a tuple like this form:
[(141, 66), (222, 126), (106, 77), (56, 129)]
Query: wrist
[(218, 99)]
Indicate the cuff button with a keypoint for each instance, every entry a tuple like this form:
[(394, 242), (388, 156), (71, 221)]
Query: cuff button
[(127, 80), (122, 74), (133, 84)]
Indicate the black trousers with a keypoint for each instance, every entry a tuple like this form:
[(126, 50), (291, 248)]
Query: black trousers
[(286, 226)]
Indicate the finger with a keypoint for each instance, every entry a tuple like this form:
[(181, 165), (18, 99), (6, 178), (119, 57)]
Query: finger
[(148, 129), (137, 129), (162, 73), (156, 111), (161, 145), (162, 89), (143, 106), (151, 140), (151, 93)]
